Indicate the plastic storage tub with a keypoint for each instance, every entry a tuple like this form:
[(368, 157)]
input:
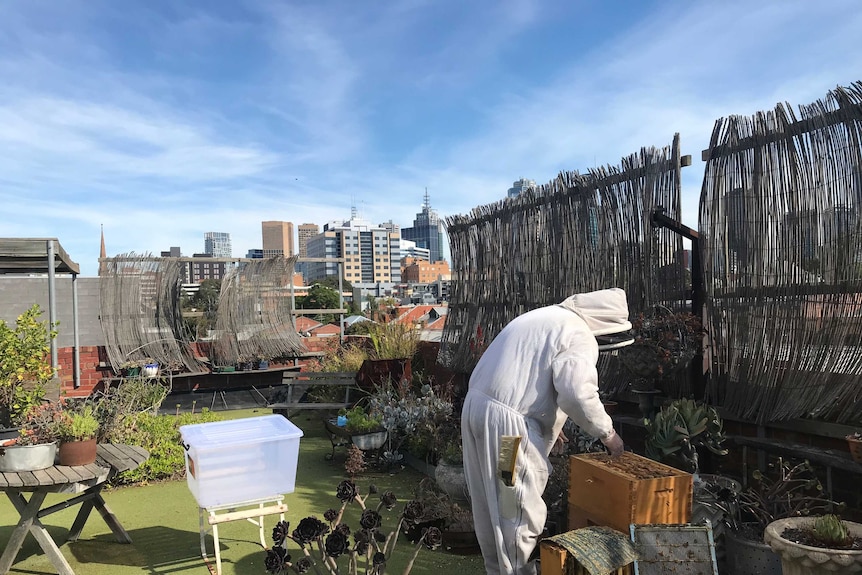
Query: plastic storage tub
[(241, 459)]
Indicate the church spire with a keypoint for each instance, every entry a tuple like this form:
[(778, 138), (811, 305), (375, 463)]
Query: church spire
[(102, 252)]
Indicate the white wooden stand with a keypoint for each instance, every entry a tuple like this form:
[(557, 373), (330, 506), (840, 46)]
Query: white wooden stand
[(259, 508)]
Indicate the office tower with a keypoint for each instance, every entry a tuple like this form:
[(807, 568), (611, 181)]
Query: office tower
[(372, 254), (306, 232), (519, 187), (277, 239), (427, 230), (217, 244)]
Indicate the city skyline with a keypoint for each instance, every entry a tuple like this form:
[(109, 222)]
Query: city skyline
[(162, 121)]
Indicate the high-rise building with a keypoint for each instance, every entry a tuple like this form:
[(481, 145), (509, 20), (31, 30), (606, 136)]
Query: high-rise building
[(277, 238), (519, 187), (371, 253), (217, 244), (427, 230), (305, 232)]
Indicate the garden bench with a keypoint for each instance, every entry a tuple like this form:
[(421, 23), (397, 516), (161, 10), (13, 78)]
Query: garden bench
[(292, 394)]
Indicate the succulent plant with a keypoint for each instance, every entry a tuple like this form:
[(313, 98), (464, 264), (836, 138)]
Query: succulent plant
[(831, 530), (680, 428)]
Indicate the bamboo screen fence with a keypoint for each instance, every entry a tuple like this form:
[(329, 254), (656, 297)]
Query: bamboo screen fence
[(577, 233), (142, 318), (781, 238), (255, 317), (140, 311)]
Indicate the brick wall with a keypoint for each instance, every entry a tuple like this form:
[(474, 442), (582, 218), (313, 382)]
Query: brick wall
[(91, 373)]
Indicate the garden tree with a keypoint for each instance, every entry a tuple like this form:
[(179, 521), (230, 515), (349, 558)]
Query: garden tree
[(320, 297), (205, 301), (332, 282), (360, 328)]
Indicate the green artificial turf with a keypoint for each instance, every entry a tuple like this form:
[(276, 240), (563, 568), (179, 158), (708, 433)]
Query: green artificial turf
[(162, 520)]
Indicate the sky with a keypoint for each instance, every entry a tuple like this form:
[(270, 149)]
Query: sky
[(161, 120)]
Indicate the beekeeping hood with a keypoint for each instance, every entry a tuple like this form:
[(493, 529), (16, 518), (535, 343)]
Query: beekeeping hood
[(606, 313)]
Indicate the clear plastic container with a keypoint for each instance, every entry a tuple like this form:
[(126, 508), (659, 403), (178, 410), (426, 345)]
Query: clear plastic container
[(241, 459)]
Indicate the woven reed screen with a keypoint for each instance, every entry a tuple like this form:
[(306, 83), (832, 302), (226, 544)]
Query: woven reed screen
[(781, 238), (577, 233), (140, 311), (255, 312)]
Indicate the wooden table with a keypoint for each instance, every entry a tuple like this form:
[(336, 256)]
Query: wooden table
[(83, 482)]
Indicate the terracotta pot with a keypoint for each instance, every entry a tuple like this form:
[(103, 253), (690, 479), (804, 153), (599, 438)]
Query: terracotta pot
[(78, 452), (376, 372)]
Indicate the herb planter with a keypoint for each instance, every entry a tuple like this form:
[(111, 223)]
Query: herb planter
[(626, 490), (799, 559), (27, 457)]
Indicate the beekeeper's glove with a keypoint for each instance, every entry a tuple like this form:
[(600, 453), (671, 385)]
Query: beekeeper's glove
[(614, 443)]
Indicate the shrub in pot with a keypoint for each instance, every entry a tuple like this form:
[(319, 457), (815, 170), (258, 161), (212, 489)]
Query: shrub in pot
[(77, 431)]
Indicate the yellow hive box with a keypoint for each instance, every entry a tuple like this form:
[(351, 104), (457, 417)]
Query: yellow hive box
[(630, 489)]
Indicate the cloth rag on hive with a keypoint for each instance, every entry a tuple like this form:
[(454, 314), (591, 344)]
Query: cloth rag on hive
[(599, 550)]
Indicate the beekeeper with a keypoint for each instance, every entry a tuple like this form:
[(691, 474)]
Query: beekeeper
[(539, 370)]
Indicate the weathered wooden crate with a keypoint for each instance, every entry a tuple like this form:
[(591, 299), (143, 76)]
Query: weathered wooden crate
[(630, 489)]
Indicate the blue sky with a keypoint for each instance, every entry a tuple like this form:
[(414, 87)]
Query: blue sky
[(162, 120)]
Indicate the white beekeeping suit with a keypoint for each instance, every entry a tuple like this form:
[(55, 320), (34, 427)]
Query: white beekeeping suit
[(540, 369)]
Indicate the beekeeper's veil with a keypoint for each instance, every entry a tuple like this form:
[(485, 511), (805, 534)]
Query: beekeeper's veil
[(606, 313)]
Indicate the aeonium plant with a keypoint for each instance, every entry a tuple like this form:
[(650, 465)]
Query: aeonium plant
[(323, 544)]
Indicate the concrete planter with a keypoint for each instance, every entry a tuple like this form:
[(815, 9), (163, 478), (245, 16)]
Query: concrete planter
[(798, 559), (450, 478)]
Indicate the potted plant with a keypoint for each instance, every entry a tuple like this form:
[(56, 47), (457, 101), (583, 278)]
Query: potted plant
[(77, 431), (393, 346), (824, 545), (791, 490), (679, 429), (35, 447), (131, 368), (664, 343), (449, 473), (365, 429)]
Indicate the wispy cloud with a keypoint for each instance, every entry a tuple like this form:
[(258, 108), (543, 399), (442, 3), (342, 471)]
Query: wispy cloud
[(214, 116)]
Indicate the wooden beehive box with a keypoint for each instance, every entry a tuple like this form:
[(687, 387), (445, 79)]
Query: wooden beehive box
[(626, 490), (557, 561)]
